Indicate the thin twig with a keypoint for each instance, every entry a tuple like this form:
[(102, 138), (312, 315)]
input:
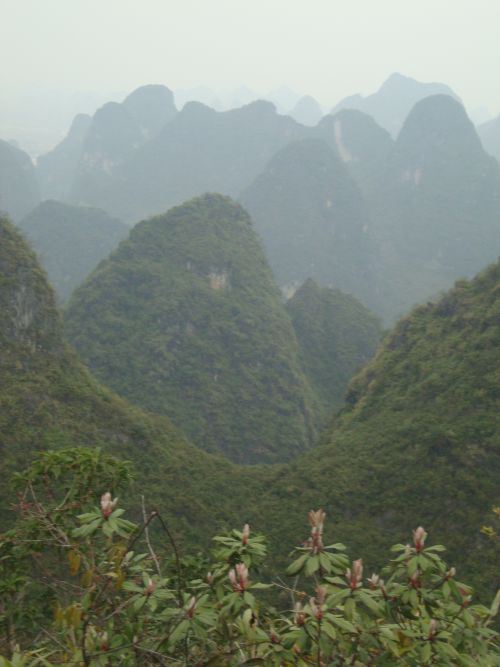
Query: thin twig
[(148, 541), (177, 559)]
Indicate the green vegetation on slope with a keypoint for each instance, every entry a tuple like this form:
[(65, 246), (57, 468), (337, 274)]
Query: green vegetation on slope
[(337, 335), (136, 604), (185, 320), (48, 400), (71, 241), (419, 442)]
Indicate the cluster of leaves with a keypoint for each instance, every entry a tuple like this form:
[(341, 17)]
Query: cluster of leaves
[(118, 596)]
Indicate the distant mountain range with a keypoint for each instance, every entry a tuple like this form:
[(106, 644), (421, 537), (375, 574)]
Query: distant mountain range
[(140, 157), (436, 205), (391, 104), (313, 220)]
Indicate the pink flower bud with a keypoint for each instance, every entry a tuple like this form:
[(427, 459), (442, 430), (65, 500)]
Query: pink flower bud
[(239, 577), (321, 594), (419, 536), (107, 505), (355, 574), (374, 581), (415, 579), (299, 616), (103, 642), (316, 519), (317, 613), (150, 588), (433, 628), (246, 534), (210, 578), (191, 608)]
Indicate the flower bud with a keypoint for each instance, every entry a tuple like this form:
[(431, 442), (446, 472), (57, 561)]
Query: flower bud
[(191, 608), (103, 642), (210, 578), (321, 594), (419, 536), (316, 519), (433, 628), (415, 579), (239, 577), (299, 616), (150, 587), (107, 505), (355, 574), (317, 613), (246, 534)]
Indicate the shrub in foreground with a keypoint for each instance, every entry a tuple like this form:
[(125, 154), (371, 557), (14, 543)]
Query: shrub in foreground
[(82, 585)]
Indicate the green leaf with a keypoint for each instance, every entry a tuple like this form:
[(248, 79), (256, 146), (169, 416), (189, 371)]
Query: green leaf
[(344, 624), (297, 565), (312, 565)]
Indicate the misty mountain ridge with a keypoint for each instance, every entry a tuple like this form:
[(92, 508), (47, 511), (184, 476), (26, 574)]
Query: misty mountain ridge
[(19, 191), (436, 208), (307, 111), (489, 134), (392, 102), (70, 241), (201, 149), (313, 220)]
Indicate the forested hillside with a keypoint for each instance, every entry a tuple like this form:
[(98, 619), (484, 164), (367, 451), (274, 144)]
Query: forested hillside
[(184, 319), (419, 441), (337, 335), (50, 401)]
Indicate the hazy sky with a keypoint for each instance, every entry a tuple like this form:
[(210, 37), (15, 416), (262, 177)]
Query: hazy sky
[(327, 48)]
